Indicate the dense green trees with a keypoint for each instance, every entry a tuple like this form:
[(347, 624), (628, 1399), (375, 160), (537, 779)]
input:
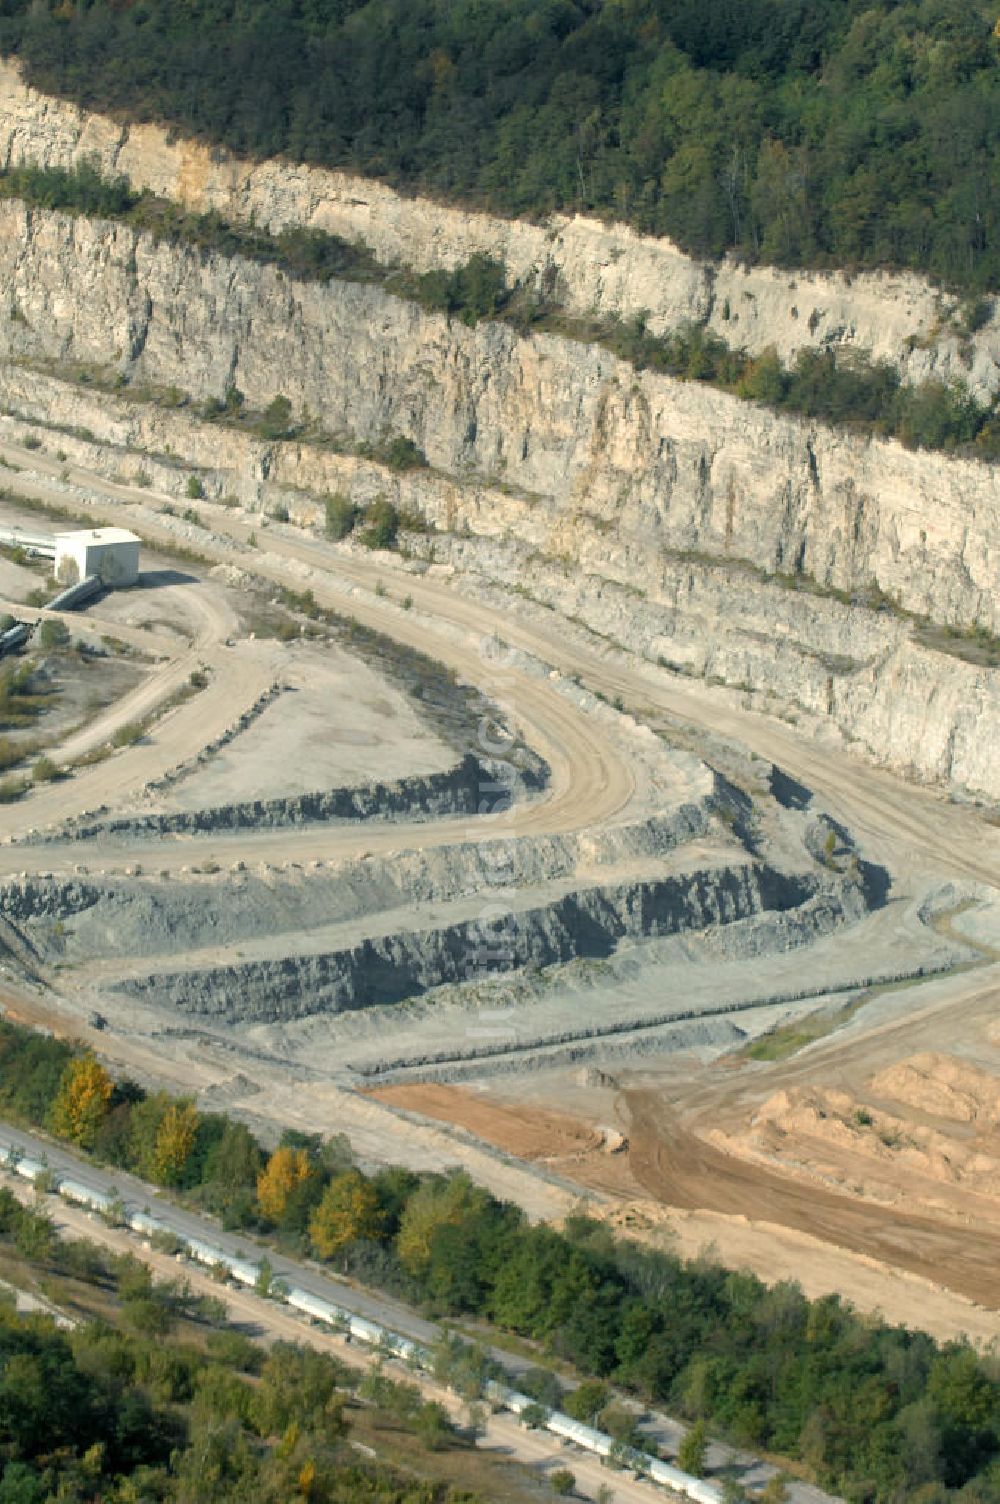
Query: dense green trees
[(860, 132), (85, 1092), (876, 1413), (347, 1212), (134, 1406), (31, 1072)]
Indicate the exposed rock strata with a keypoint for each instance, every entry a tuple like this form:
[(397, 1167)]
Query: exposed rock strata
[(466, 789), (813, 656), (588, 923), (598, 268), (665, 465), (656, 512), (136, 916)]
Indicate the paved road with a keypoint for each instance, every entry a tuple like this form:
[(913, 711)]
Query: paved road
[(189, 1224), (268, 1321)]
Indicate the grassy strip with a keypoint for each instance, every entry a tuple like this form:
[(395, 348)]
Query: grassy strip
[(787, 1039)]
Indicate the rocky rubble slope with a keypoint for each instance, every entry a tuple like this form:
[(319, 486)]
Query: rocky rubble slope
[(457, 791), (387, 969)]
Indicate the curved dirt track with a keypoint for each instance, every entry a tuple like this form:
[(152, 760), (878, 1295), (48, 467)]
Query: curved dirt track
[(904, 820), (909, 829), (589, 782), (905, 827)]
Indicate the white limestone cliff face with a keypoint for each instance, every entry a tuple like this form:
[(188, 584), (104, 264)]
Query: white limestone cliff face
[(652, 510), (601, 269), (665, 465)]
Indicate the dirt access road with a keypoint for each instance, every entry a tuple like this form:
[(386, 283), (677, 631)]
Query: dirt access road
[(590, 781), (904, 824), (677, 1167), (203, 624), (909, 829), (670, 1188)]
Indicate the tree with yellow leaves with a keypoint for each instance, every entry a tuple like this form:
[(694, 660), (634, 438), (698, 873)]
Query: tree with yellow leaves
[(349, 1210), (438, 1202), (82, 1102), (307, 1479), (284, 1172), (175, 1139)]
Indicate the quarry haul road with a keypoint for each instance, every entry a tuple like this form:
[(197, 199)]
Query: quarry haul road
[(903, 818), (589, 779), (905, 826), (912, 830)]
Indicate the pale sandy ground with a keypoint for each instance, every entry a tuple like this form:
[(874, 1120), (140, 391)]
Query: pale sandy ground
[(16, 581), (338, 724), (775, 1250), (672, 1176)]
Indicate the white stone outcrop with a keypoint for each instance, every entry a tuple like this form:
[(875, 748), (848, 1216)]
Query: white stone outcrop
[(598, 268)]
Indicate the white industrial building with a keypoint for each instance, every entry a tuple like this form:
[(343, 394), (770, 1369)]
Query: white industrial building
[(108, 553)]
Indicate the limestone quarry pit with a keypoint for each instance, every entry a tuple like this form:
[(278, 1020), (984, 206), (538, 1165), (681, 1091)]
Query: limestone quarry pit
[(627, 834)]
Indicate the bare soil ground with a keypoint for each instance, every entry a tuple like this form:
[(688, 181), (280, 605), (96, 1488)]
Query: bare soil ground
[(337, 723), (670, 1189), (679, 1168), (541, 1136), (16, 580), (921, 1133), (780, 1188)]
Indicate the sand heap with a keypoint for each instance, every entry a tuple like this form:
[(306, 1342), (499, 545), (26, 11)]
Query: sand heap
[(939, 1149), (944, 1087)]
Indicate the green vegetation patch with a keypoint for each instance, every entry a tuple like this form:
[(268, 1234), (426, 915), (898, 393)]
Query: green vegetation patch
[(851, 133), (975, 645), (853, 1401), (21, 699), (152, 1397)]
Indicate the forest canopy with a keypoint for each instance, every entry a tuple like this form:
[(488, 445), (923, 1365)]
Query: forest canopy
[(879, 1414), (860, 133)]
